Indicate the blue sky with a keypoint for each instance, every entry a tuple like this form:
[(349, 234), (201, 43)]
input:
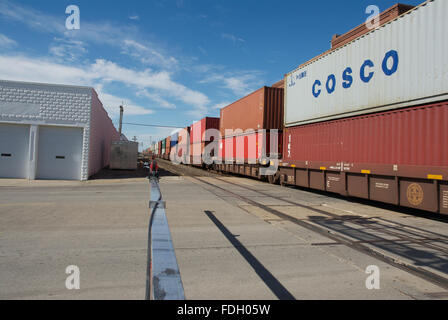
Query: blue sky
[(171, 61)]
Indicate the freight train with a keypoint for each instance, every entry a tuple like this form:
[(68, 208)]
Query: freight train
[(367, 119)]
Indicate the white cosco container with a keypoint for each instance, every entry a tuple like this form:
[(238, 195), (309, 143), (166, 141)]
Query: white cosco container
[(402, 63)]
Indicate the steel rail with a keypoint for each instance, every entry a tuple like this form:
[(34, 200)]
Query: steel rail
[(416, 271), (357, 219)]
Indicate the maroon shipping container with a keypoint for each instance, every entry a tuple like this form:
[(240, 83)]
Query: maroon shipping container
[(279, 84), (385, 17), (198, 138), (197, 130), (413, 136), (262, 109), (377, 156)]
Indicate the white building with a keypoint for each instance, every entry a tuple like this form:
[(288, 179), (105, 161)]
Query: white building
[(52, 132)]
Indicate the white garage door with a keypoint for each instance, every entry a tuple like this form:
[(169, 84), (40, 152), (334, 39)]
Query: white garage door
[(60, 153), (14, 150)]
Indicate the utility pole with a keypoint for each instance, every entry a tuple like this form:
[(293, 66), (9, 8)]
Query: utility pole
[(121, 120)]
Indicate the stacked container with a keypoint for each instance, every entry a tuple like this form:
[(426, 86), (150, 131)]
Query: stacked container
[(163, 151), (183, 145), (173, 144), (369, 119), (166, 155), (199, 140), (159, 149), (245, 126)]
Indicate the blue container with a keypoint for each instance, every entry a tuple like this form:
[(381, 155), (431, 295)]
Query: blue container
[(174, 140)]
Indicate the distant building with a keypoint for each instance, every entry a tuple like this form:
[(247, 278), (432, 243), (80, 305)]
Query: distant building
[(52, 132)]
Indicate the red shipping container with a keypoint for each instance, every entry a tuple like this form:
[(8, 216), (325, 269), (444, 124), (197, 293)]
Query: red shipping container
[(248, 148), (196, 151), (227, 148), (197, 130), (262, 109), (415, 136)]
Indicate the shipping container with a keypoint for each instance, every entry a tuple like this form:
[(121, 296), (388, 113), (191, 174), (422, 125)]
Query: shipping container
[(400, 64), (183, 145), (173, 145), (166, 155), (163, 151), (262, 109), (397, 156), (199, 140), (366, 119), (279, 84), (251, 148), (197, 129), (174, 139), (384, 17), (196, 153)]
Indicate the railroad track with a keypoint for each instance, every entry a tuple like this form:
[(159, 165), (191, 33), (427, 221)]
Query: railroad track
[(367, 234), (401, 231)]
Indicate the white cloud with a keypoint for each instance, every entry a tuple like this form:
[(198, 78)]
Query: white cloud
[(39, 70), (199, 112), (240, 83), (70, 46), (41, 22), (23, 68), (35, 19), (156, 98), (123, 37), (111, 103), (67, 49), (148, 79), (147, 55), (220, 105), (6, 42)]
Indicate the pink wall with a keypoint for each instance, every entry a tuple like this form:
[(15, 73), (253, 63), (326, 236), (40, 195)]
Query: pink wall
[(102, 133)]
